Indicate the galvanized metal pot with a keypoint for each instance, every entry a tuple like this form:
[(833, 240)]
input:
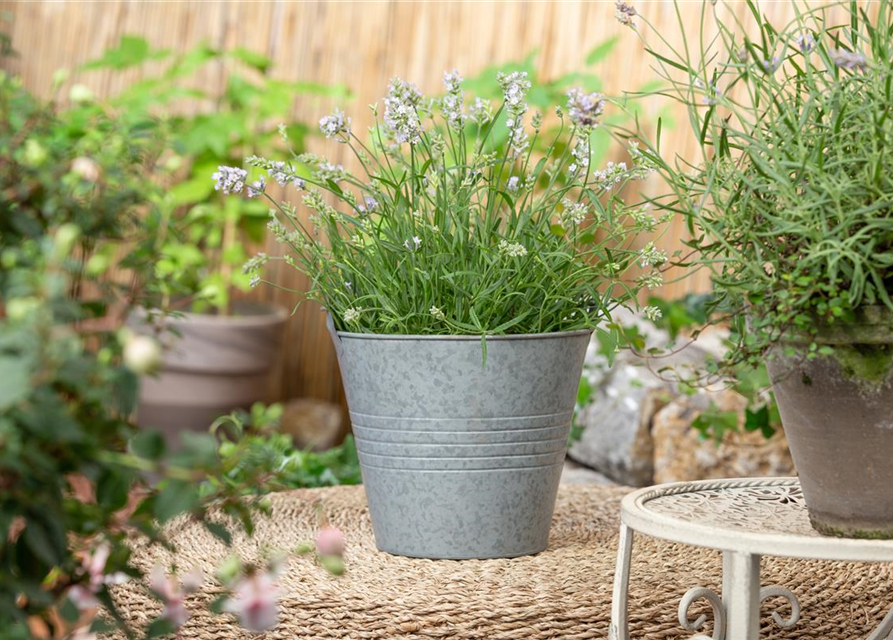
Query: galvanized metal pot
[(461, 459), (837, 413)]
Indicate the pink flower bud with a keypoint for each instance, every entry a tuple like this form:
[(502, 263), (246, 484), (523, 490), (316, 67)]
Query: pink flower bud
[(330, 541)]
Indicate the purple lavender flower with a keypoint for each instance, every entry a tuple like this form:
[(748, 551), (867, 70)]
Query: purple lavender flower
[(515, 86), (257, 187), (805, 42), (451, 104), (770, 66), (280, 173), (849, 60), (335, 126), (584, 109), (369, 205), (481, 111), (229, 179), (400, 113), (624, 13)]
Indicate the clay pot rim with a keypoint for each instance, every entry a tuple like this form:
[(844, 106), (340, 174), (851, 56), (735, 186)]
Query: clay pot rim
[(873, 325), (268, 314)]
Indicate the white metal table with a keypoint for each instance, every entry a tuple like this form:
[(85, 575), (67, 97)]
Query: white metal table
[(745, 519)]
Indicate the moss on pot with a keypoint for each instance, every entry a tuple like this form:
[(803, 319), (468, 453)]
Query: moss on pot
[(867, 364)]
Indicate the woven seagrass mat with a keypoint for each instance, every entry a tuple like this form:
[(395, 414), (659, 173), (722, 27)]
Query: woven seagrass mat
[(564, 592)]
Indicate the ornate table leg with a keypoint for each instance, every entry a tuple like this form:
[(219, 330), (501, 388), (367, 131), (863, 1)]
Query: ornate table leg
[(741, 595), (885, 631), (620, 599)]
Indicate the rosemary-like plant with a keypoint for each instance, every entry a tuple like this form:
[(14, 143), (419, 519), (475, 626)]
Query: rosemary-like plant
[(790, 202)]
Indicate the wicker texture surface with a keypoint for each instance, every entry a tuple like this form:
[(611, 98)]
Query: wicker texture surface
[(564, 592)]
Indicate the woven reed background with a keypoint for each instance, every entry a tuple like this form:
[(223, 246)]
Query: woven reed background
[(359, 44)]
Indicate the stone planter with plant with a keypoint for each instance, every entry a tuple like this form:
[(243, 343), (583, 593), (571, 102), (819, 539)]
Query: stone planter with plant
[(790, 206), (463, 278), (219, 353)]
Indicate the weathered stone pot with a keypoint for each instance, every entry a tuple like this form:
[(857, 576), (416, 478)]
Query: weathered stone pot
[(461, 459), (837, 412), (212, 364)]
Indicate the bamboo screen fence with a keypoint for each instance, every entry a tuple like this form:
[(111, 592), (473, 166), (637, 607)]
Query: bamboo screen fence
[(360, 45)]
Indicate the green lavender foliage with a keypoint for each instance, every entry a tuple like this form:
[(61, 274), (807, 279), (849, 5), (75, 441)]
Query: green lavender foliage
[(789, 203), (439, 234)]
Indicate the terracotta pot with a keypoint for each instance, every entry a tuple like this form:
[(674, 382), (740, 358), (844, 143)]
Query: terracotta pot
[(212, 365), (837, 413)]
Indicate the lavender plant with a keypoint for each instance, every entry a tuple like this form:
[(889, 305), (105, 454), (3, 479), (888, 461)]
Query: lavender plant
[(440, 234), (789, 203)]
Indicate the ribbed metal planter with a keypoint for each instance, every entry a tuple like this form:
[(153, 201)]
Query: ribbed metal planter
[(461, 459)]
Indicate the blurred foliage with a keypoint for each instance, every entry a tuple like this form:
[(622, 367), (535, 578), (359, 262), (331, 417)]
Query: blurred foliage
[(251, 446), (201, 256), (82, 168), (76, 193)]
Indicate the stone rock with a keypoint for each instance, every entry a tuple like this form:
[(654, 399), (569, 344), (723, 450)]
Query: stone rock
[(681, 455), (573, 473), (616, 438), (314, 424)]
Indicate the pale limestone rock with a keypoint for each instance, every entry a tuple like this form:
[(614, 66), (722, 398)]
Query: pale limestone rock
[(680, 454)]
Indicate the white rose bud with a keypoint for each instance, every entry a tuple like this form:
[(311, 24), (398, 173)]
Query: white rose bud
[(85, 168), (142, 354)]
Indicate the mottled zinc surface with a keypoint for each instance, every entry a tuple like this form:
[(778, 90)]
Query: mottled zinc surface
[(461, 458)]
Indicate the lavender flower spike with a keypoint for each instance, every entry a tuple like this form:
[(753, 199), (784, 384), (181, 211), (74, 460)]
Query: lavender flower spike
[(848, 59), (400, 113), (451, 104), (624, 13), (584, 109), (229, 179), (335, 126)]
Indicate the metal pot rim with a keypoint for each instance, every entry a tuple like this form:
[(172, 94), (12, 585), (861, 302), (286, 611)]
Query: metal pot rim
[(463, 338)]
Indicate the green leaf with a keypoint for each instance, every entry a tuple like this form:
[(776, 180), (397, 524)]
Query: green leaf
[(112, 489), (40, 540), (176, 498), (758, 420), (219, 531), (131, 51), (149, 445), (15, 374), (198, 189), (160, 627), (601, 51), (253, 59)]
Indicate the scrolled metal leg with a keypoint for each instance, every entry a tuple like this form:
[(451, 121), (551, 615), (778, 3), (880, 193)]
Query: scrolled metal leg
[(776, 591), (885, 631), (620, 599), (719, 613)]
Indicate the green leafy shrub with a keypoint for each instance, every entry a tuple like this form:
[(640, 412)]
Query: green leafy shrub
[(73, 468), (204, 243), (251, 447)]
